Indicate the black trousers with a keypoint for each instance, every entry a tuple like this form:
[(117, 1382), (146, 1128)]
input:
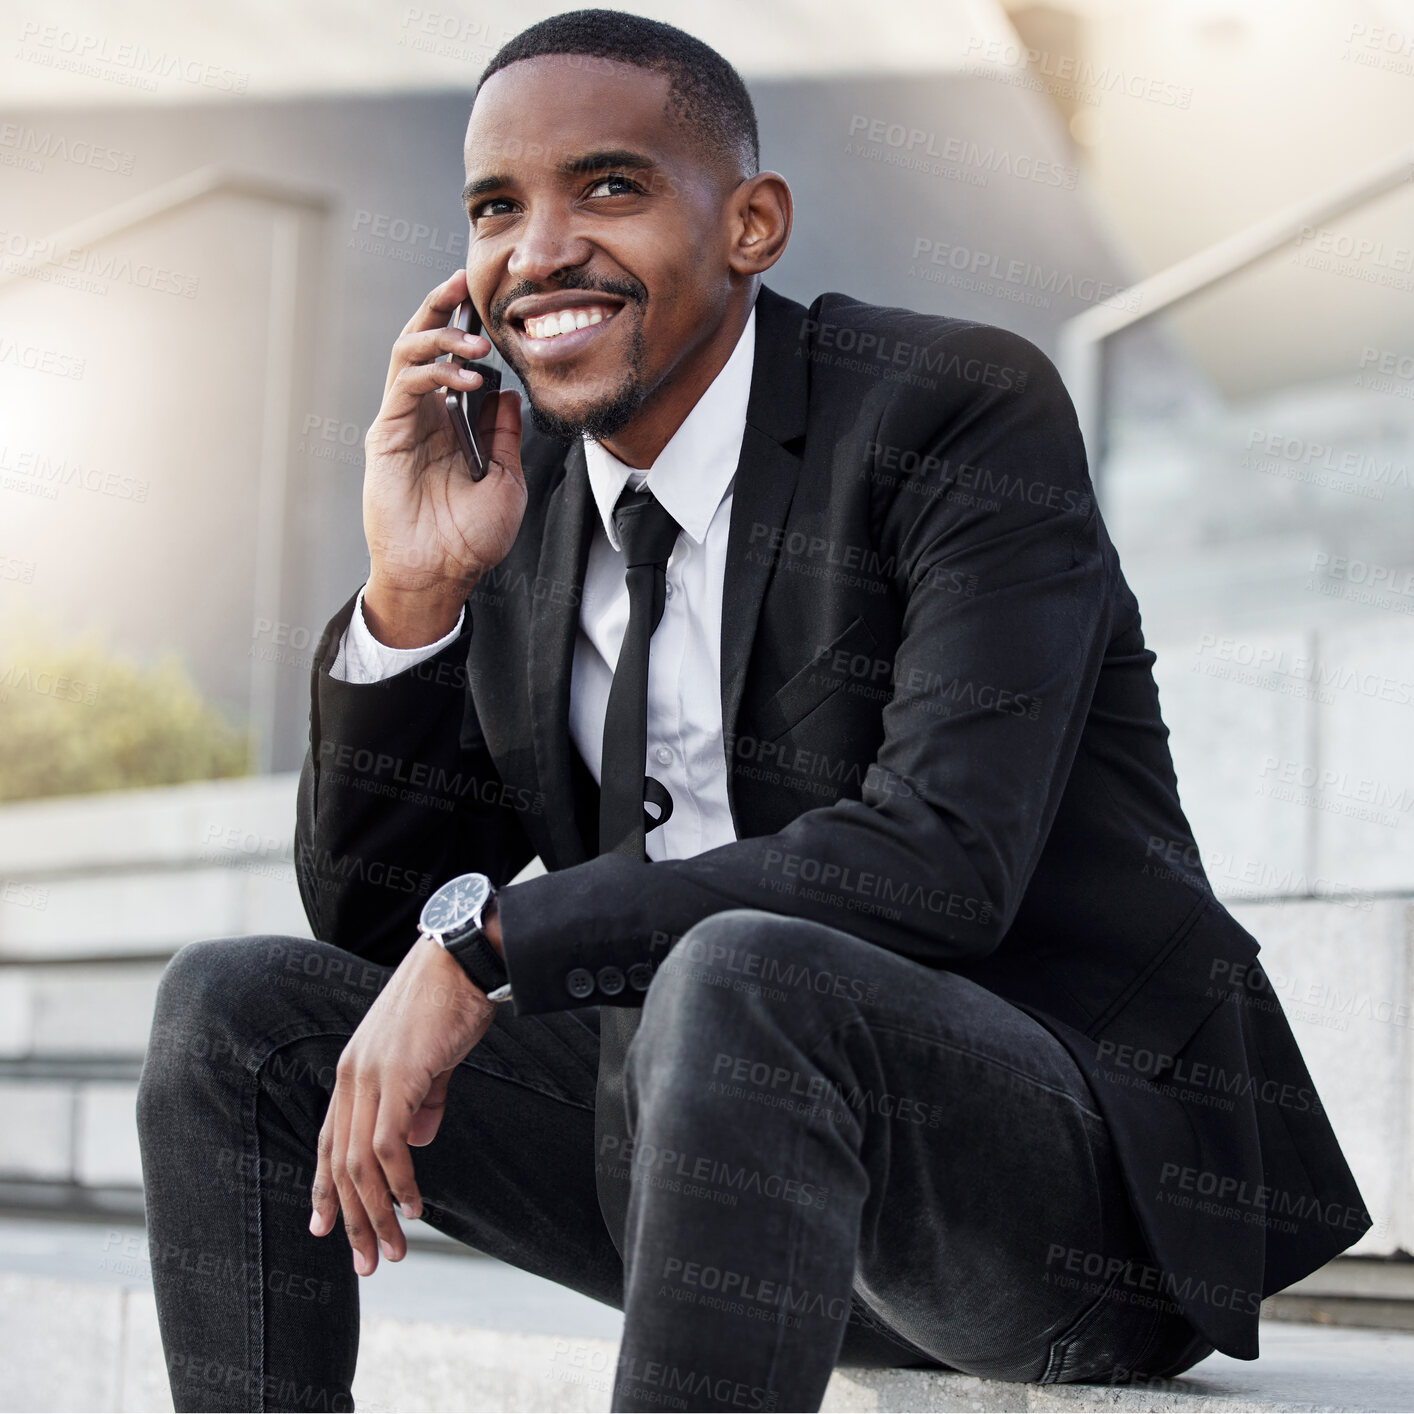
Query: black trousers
[(836, 1156)]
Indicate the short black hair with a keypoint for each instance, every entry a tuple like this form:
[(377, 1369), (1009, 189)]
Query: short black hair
[(704, 91)]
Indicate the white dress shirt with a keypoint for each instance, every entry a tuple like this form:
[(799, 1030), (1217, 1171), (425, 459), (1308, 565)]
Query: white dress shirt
[(692, 478)]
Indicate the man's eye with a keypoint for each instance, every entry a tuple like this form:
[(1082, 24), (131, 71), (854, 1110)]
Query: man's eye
[(625, 185), (483, 208)]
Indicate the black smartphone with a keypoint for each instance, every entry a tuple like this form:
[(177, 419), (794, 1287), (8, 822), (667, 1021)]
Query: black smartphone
[(473, 420)]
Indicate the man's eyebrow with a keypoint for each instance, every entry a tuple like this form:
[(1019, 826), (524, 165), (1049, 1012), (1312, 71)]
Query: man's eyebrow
[(613, 157), (570, 166)]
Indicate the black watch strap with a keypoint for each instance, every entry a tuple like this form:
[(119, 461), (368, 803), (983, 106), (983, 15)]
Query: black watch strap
[(479, 960)]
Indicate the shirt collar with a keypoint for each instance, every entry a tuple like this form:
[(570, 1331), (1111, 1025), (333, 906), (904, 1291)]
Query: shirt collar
[(692, 473)]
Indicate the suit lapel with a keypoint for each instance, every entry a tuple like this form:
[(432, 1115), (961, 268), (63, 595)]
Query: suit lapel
[(554, 621), (762, 492)]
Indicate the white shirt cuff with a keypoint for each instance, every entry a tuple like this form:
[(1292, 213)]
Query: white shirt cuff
[(361, 658)]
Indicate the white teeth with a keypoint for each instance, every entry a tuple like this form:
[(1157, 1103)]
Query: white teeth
[(565, 321)]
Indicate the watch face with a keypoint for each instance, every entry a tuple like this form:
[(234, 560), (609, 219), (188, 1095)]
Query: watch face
[(455, 905)]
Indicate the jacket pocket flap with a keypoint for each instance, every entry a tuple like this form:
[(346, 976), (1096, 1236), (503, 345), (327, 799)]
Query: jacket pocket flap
[(1201, 966)]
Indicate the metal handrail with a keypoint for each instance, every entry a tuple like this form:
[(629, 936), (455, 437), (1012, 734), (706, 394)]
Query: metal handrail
[(1082, 338)]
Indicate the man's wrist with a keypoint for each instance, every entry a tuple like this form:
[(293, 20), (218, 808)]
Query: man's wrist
[(447, 965), (412, 618)]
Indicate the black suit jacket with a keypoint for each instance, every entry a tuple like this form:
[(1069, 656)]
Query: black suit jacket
[(942, 734)]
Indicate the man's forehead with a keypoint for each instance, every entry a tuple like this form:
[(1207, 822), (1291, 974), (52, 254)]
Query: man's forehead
[(584, 98)]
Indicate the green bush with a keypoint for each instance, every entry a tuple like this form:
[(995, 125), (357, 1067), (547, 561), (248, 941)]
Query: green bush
[(78, 719)]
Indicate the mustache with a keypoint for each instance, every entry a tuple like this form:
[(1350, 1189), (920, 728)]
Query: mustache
[(629, 290)]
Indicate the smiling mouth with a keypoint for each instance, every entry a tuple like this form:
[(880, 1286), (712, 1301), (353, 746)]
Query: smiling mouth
[(545, 327), (561, 335)]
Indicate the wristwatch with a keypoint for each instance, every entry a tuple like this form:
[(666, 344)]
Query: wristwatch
[(451, 917)]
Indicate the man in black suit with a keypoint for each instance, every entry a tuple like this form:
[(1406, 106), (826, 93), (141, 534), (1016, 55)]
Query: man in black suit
[(874, 1007)]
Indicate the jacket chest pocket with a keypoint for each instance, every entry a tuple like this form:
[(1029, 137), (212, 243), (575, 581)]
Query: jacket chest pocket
[(829, 670)]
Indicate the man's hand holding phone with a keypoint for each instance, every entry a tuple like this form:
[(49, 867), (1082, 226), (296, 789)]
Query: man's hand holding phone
[(432, 530)]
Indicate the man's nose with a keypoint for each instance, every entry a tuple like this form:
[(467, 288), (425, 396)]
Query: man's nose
[(546, 243)]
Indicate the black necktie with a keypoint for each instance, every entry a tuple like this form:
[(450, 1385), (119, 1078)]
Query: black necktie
[(647, 534)]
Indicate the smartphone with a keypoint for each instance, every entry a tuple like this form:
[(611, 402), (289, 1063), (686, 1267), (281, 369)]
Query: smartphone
[(465, 405)]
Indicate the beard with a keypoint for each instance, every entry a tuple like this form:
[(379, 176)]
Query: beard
[(610, 414), (604, 418)]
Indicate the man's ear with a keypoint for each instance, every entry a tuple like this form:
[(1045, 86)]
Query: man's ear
[(761, 211)]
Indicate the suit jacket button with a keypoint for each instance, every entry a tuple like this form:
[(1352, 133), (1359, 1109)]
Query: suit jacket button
[(639, 976), (580, 982), (611, 981)]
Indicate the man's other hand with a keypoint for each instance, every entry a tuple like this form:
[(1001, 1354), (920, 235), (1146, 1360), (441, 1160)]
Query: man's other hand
[(390, 1091)]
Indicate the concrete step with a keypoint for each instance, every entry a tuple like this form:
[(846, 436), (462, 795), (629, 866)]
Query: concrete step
[(213, 822), (95, 1009), (69, 1133), (142, 872), (444, 1332)]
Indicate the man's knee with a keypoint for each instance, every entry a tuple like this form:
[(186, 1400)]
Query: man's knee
[(733, 941), (197, 1016), (710, 957), (746, 968), (204, 979), (752, 952)]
